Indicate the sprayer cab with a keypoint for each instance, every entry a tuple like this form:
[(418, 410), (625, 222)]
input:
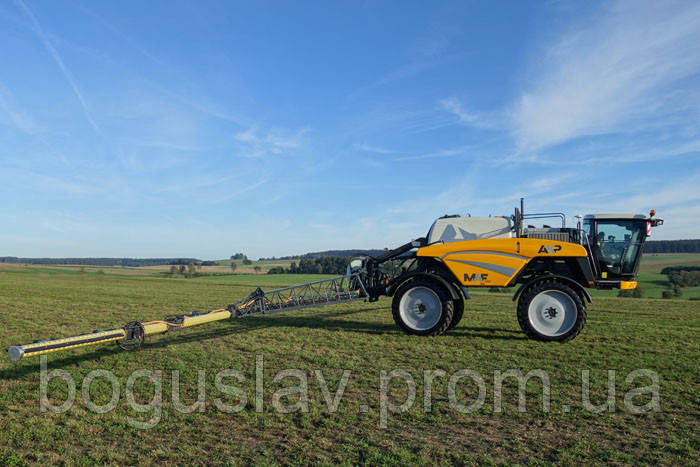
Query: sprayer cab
[(615, 243)]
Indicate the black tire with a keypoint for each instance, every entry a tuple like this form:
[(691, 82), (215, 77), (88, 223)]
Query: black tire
[(533, 321), (458, 312), (444, 315)]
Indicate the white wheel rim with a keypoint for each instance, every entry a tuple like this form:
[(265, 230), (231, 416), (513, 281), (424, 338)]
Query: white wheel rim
[(552, 313), (420, 308)]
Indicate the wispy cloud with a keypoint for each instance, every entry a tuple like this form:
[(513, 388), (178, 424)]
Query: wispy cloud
[(681, 191), (65, 186), (59, 61), (239, 190), (374, 149), (465, 116), (624, 69), (450, 152), (677, 201), (122, 36), (429, 53), (18, 118), (258, 144)]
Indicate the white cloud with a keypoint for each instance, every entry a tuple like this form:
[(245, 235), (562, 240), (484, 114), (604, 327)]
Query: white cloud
[(374, 149), (677, 201), (679, 223), (624, 69), (273, 142), (451, 152), (465, 116)]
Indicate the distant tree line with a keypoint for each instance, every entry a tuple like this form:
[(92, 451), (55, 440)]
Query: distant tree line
[(672, 246), (330, 254), (130, 262), (191, 270), (324, 265)]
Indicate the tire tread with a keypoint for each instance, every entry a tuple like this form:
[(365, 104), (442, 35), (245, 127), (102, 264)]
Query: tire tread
[(447, 307), (550, 284)]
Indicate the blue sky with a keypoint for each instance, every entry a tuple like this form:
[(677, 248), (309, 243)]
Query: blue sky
[(150, 129)]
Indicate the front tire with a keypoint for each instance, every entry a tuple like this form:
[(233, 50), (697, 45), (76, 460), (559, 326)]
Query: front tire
[(422, 307), (551, 311)]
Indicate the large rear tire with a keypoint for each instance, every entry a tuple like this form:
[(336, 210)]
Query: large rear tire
[(551, 311), (458, 312), (422, 307)]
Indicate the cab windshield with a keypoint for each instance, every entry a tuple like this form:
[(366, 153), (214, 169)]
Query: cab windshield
[(616, 244)]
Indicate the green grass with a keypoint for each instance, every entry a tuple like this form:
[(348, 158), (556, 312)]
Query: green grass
[(654, 263), (621, 334), (652, 282)]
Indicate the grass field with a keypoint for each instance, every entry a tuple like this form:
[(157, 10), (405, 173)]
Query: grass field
[(223, 267), (652, 282), (621, 335), (654, 263)]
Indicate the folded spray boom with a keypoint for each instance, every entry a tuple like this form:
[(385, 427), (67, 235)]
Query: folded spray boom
[(131, 336)]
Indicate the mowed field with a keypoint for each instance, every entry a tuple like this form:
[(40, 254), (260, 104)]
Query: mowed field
[(622, 335)]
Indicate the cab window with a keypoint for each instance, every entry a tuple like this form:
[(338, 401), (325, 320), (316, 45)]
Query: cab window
[(616, 244)]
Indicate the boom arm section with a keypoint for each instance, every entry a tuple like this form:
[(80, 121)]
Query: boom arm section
[(339, 289)]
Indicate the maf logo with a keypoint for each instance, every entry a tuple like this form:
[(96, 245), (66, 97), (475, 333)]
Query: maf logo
[(475, 277), (550, 249)]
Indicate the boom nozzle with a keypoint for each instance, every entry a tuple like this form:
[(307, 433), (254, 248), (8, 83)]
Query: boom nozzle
[(15, 352)]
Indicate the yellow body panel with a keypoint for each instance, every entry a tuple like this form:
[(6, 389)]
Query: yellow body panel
[(494, 262), (155, 328), (159, 327), (207, 318)]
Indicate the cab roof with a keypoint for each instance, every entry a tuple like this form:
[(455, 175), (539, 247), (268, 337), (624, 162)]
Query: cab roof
[(617, 216)]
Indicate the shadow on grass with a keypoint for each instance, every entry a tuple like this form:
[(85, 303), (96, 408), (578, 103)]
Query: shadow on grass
[(487, 333), (327, 321)]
